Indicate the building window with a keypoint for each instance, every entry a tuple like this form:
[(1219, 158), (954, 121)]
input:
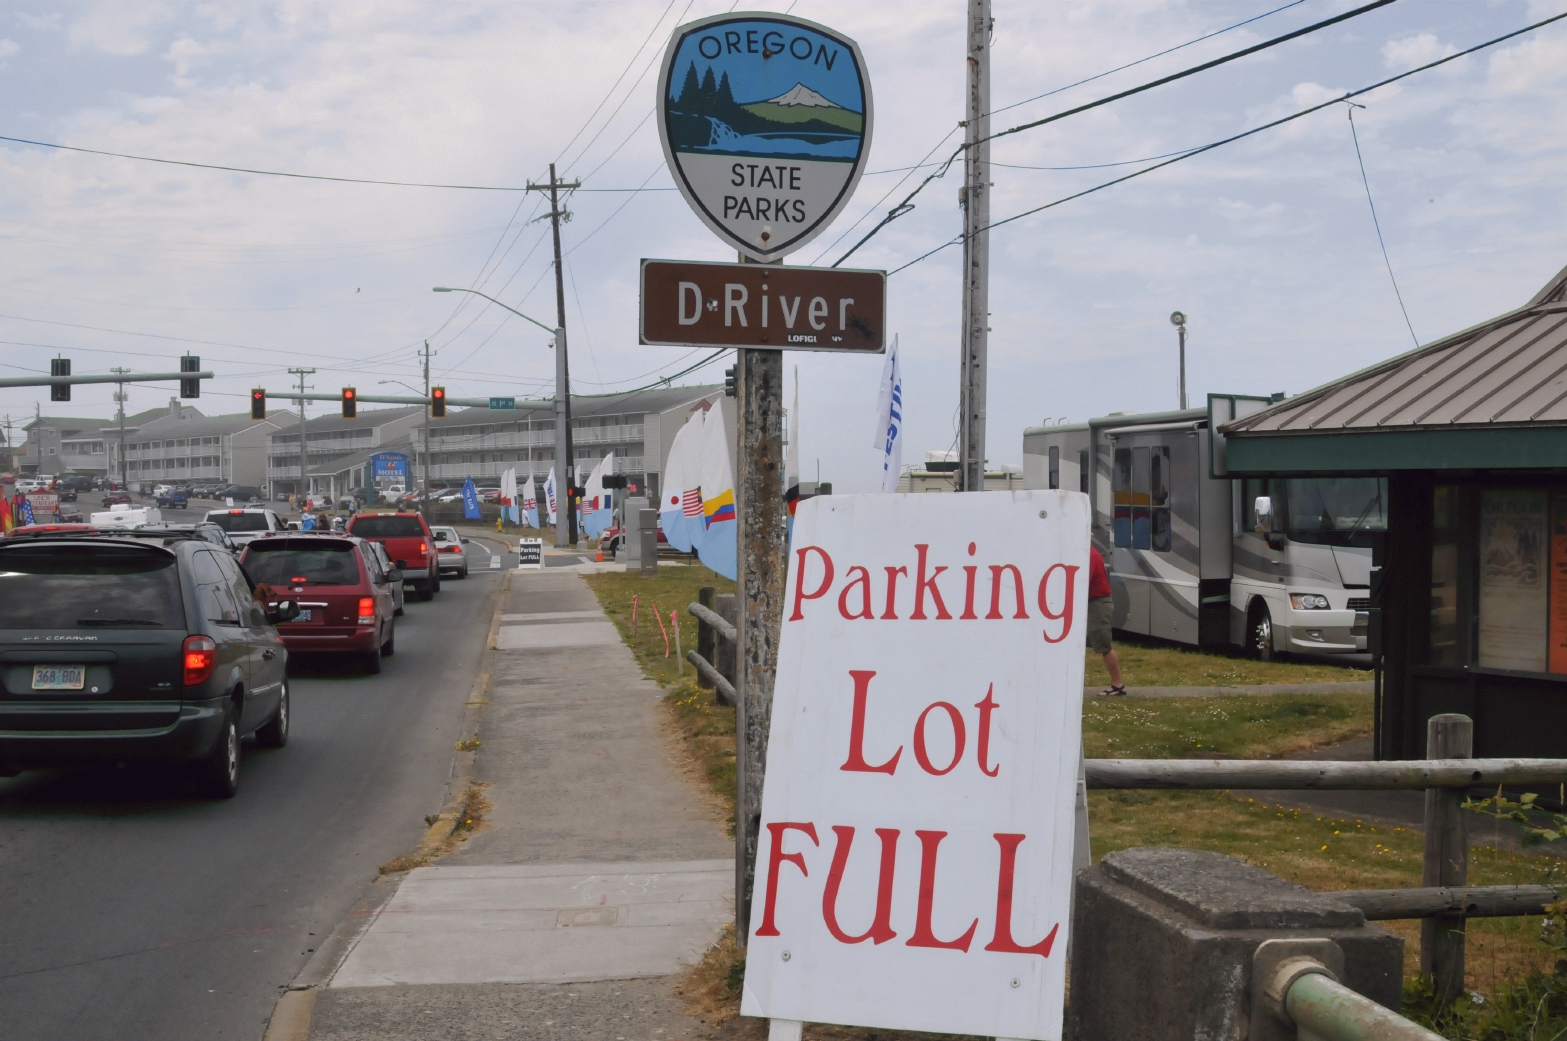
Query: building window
[(1055, 467), (1159, 499), (1131, 498), (1515, 630)]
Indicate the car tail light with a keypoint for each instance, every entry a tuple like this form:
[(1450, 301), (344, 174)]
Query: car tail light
[(200, 657), (424, 547), (366, 611)]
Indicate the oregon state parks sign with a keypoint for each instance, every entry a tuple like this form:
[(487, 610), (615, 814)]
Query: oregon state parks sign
[(766, 125)]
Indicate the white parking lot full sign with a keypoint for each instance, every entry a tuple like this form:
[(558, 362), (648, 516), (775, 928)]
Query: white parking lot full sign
[(914, 867)]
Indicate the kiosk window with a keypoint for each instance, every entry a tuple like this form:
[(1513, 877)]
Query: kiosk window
[(1055, 467), (1445, 649)]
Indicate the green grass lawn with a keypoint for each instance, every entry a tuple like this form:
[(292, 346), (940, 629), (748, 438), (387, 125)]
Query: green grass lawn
[(1153, 663)]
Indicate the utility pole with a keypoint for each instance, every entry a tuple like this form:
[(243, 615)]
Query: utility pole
[(565, 471), (304, 455), (119, 397), (427, 417), (976, 251)]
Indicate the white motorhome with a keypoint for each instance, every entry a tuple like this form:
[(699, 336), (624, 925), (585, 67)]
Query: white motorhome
[(1195, 557), (124, 515)]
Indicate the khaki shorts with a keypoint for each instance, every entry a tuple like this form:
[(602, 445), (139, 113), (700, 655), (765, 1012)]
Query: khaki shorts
[(1100, 612)]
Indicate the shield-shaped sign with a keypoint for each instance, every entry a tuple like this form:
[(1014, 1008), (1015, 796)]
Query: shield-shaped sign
[(766, 124)]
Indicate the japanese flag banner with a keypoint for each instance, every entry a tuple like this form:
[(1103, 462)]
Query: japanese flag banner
[(915, 854)]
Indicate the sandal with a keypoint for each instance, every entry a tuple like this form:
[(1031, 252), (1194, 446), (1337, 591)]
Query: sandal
[(1116, 691)]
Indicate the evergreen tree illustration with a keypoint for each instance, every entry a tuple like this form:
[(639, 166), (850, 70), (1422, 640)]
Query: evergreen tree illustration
[(689, 89)]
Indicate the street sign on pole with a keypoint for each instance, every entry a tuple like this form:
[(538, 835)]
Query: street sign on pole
[(693, 304), (766, 125), (502, 404)]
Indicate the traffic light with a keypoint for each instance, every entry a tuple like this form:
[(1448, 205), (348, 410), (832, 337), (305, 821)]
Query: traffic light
[(437, 402), (258, 404), (190, 388), (729, 382), (350, 403), (59, 391)]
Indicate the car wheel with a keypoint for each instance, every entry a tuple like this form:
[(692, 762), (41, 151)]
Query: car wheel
[(274, 732), (372, 660), (1262, 634), (389, 648), (397, 613), (435, 585), (463, 573), (218, 773)]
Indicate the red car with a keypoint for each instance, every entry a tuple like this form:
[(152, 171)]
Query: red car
[(408, 542), (344, 595), (45, 529), (115, 499)]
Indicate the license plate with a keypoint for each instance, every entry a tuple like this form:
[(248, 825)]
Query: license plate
[(304, 616), (59, 677)]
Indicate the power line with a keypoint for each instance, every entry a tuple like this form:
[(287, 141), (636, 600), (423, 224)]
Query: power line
[(1205, 66), (1239, 136), (907, 204), (1376, 223), (611, 92), (1151, 57)]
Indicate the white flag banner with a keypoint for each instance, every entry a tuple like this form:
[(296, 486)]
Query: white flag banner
[(549, 495), (889, 420)]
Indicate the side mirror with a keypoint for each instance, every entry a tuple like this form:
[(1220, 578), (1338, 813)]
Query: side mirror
[(285, 611), (1263, 508), (466, 541), (394, 575)]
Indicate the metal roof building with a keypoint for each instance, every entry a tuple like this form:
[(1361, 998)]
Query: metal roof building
[(1494, 394), (1469, 584)]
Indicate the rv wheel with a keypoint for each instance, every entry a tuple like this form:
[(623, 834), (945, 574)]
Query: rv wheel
[(1262, 634)]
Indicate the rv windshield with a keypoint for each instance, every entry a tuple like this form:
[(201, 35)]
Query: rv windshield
[(1339, 511)]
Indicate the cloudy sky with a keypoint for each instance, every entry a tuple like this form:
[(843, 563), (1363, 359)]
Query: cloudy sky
[(1267, 244)]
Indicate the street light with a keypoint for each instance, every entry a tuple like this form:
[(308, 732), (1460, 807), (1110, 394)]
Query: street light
[(1178, 320), (563, 468)]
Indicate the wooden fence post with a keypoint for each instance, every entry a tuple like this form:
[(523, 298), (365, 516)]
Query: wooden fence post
[(1448, 736), (704, 636)]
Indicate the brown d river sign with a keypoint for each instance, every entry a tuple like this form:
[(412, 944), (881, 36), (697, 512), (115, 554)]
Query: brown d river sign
[(690, 304)]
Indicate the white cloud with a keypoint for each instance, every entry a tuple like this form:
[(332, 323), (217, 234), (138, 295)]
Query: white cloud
[(7, 48), (1410, 51), (118, 27)]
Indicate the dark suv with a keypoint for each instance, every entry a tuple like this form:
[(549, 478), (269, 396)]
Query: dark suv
[(135, 647)]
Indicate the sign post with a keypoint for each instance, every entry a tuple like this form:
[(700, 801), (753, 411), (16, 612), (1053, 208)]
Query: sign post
[(766, 126), (917, 828), (530, 554)]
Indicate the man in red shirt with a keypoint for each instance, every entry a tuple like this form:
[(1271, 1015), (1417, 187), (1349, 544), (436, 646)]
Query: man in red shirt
[(1101, 611)]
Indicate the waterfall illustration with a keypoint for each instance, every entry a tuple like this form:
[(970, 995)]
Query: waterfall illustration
[(723, 135)]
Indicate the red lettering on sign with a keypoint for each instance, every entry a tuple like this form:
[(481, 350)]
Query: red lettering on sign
[(864, 582), (921, 583), (1002, 941), (996, 571), (986, 707), (881, 925), (800, 595), (1065, 615), (924, 936), (856, 761), (892, 589), (775, 859), (958, 739)]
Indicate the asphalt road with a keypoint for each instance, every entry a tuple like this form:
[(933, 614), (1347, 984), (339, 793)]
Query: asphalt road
[(131, 910)]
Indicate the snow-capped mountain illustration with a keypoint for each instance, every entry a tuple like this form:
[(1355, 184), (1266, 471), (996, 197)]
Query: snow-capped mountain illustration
[(802, 95)]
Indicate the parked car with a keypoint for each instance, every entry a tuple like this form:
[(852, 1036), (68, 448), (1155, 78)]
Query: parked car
[(393, 493), (489, 495), (161, 489), (450, 555), (344, 594), (113, 499), (174, 499), (65, 492), (67, 513), (399, 589), (611, 538), (204, 530), (240, 493), (77, 483), (408, 543), (243, 523), (124, 648)]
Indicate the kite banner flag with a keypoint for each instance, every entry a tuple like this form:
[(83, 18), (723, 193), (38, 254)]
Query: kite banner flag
[(718, 549)]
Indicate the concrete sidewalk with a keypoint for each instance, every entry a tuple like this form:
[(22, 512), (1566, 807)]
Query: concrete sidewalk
[(601, 872)]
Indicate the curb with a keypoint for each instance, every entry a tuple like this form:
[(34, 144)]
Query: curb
[(1355, 687), (295, 1008)]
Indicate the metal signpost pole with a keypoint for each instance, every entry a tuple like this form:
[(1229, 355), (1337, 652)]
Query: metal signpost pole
[(427, 417), (562, 434), (976, 251)]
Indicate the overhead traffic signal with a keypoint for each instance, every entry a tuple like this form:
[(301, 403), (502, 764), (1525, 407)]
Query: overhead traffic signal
[(350, 403), (258, 404), (59, 391), (190, 388), (729, 382), (437, 402)]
